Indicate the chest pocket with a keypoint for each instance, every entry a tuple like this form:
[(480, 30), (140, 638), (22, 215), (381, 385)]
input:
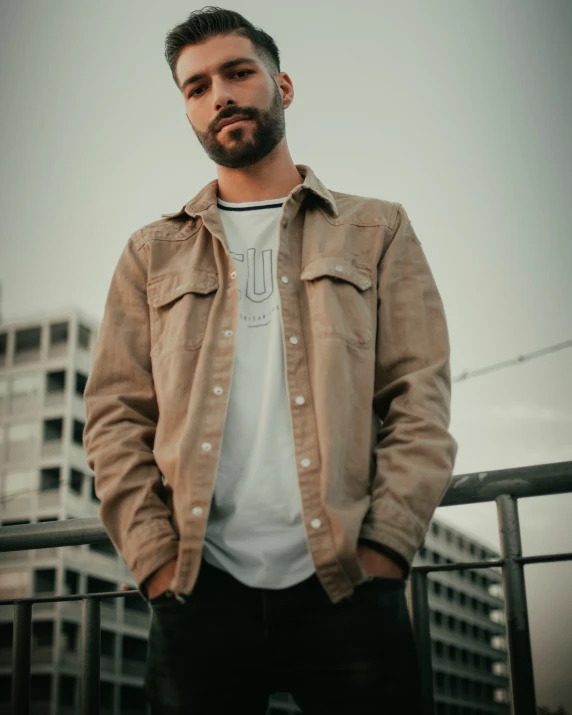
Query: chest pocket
[(180, 304), (339, 297)]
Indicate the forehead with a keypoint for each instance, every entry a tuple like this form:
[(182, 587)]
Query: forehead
[(207, 56)]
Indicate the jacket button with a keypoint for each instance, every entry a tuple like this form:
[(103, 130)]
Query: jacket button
[(196, 511), (305, 462), (340, 269), (300, 400), (294, 340), (218, 390), (284, 222), (206, 446), (315, 523)]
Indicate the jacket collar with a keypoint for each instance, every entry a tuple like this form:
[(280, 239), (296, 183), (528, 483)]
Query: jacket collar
[(208, 194)]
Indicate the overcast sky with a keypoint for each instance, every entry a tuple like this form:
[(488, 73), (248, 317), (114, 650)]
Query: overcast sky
[(461, 111)]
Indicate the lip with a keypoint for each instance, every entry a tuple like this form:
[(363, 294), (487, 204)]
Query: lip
[(234, 122)]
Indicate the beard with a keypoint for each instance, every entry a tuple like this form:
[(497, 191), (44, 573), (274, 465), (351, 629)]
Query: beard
[(269, 129)]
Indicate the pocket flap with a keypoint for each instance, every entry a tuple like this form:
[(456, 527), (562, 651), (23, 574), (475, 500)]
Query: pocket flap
[(165, 289), (339, 268)]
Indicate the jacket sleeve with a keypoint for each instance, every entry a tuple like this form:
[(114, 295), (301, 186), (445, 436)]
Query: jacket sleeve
[(121, 418), (415, 453)]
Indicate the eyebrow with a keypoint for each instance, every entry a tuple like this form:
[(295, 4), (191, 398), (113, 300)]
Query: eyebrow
[(224, 66)]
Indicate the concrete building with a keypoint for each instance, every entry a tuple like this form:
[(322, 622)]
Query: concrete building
[(44, 363)]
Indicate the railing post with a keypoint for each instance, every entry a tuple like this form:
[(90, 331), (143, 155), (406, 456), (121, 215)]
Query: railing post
[(22, 642), (421, 628), (90, 655), (516, 610)]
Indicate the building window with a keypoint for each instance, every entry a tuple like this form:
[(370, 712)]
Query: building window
[(77, 436), (71, 582), (68, 690), (3, 346), (53, 429), (76, 481), (28, 340), (49, 478), (44, 580), (42, 634), (40, 688), (435, 528), (59, 333), (132, 699), (106, 694), (56, 381), (500, 695), (80, 383), (83, 337), (450, 594), (448, 536)]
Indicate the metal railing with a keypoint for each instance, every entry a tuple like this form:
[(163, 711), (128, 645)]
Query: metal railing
[(504, 487)]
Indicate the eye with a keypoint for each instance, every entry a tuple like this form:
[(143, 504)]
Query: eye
[(193, 93)]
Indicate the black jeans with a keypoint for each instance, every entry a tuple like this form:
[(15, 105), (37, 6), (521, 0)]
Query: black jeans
[(228, 647)]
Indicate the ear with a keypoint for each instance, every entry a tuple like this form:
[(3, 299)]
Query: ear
[(286, 88)]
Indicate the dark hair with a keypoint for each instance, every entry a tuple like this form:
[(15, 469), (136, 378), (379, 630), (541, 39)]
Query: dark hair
[(203, 24)]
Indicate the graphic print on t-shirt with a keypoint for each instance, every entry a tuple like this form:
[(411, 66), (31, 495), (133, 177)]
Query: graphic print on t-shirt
[(257, 286)]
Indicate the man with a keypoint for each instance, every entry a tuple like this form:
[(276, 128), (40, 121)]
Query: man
[(268, 412)]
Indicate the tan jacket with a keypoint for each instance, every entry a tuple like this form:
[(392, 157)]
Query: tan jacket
[(366, 344)]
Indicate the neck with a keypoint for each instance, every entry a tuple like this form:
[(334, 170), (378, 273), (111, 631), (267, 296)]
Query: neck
[(270, 178)]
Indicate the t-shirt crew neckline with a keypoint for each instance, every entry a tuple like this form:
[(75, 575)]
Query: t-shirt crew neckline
[(250, 205)]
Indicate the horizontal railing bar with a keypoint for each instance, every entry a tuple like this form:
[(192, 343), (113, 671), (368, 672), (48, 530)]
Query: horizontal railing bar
[(545, 558), (531, 481), (459, 567), (47, 534)]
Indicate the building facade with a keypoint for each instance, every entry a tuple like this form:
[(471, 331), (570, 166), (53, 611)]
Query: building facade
[(44, 364)]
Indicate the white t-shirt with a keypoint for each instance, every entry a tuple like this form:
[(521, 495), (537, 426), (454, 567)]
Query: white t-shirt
[(255, 530)]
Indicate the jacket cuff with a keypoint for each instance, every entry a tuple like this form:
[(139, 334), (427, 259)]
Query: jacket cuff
[(387, 551)]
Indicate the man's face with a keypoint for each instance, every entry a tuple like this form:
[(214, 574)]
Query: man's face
[(244, 89)]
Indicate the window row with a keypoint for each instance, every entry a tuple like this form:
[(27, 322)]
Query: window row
[(30, 339), (26, 483), (464, 687), (24, 441), (459, 625), (454, 596), (462, 656), (462, 542), (24, 391)]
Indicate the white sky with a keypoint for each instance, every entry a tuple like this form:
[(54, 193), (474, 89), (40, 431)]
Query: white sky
[(461, 111)]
